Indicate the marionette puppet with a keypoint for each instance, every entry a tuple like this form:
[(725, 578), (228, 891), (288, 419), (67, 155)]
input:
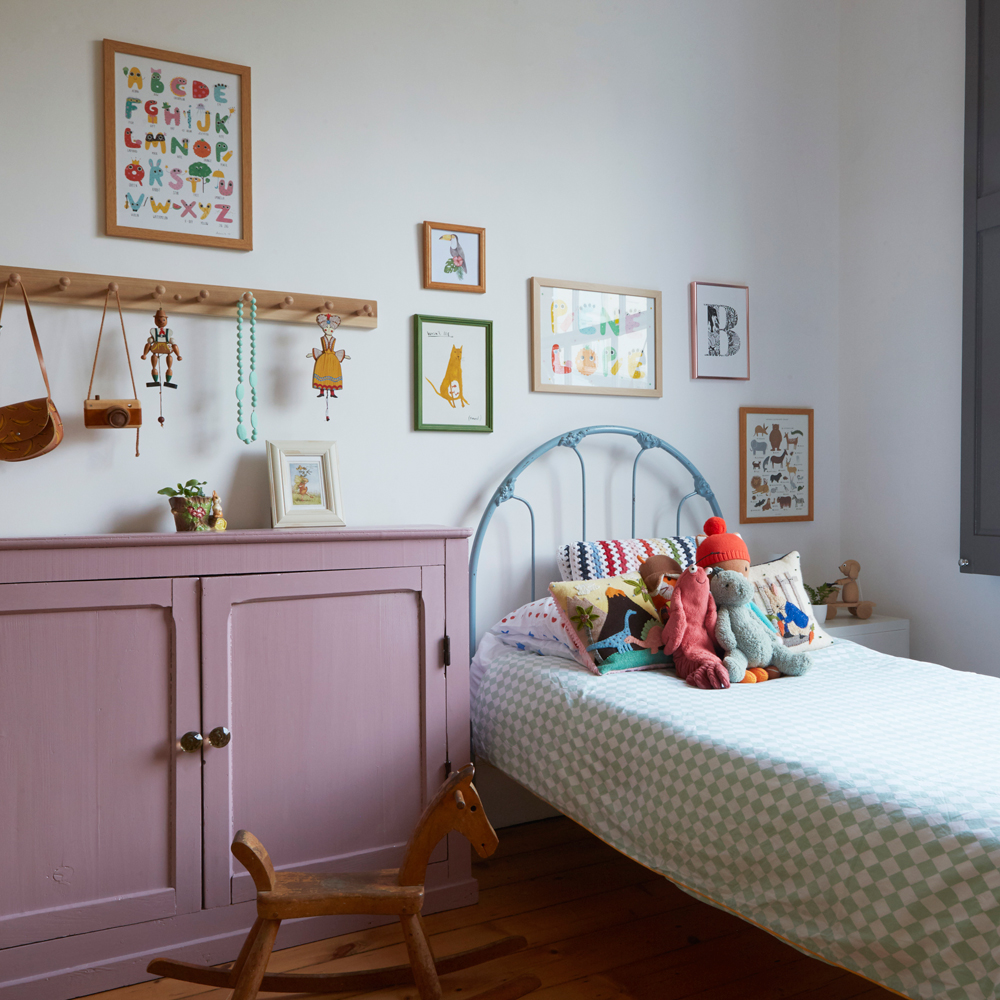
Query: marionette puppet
[(328, 376), (161, 345)]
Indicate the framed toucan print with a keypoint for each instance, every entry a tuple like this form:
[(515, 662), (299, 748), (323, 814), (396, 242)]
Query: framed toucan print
[(454, 257)]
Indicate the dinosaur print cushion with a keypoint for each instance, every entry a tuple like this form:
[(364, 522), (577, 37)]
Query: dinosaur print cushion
[(612, 623), (779, 593)]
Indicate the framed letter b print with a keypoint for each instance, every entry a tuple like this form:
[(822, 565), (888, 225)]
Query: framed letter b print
[(176, 147), (720, 330), (776, 464)]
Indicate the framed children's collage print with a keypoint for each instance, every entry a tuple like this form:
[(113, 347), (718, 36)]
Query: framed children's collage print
[(776, 464), (177, 161), (600, 339)]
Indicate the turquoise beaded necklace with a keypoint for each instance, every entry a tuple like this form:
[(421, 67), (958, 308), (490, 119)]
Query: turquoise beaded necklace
[(241, 430)]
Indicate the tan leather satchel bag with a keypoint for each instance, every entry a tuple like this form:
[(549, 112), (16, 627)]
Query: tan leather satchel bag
[(31, 428)]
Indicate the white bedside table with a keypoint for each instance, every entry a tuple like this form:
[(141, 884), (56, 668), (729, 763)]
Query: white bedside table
[(881, 632)]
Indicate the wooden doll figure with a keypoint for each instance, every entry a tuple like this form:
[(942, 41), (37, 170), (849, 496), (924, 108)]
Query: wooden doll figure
[(161, 343), (328, 376)]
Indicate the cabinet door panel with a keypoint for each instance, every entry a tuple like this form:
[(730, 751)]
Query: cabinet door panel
[(89, 827), (333, 688)]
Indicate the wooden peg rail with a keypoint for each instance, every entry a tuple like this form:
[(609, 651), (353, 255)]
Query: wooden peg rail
[(72, 289)]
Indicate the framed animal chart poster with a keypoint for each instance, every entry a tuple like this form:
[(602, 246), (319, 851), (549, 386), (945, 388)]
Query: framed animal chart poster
[(177, 164), (453, 374), (720, 330), (454, 257), (776, 464), (599, 339)]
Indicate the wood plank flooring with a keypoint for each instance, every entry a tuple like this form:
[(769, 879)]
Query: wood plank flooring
[(599, 927)]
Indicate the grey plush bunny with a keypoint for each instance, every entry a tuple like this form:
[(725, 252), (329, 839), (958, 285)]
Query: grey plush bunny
[(746, 640)]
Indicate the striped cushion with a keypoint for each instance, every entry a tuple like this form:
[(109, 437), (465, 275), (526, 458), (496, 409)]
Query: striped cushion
[(596, 560)]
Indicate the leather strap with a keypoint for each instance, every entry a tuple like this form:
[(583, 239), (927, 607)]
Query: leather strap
[(107, 299), (34, 334)]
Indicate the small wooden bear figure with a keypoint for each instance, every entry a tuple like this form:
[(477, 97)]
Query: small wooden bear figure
[(850, 591)]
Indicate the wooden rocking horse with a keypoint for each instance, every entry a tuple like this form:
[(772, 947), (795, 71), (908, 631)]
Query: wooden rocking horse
[(287, 894)]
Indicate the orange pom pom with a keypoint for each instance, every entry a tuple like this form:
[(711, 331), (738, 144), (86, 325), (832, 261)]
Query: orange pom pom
[(759, 672), (715, 526), (749, 678)]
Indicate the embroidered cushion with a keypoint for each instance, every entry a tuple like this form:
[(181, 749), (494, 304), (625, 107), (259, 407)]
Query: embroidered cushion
[(600, 560), (612, 622), (779, 593)]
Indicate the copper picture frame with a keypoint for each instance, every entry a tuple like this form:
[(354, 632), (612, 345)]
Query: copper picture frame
[(171, 120), (776, 464), (445, 255)]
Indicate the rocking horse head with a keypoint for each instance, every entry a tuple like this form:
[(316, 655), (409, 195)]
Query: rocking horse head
[(455, 806)]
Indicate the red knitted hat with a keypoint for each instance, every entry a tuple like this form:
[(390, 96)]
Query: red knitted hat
[(719, 546)]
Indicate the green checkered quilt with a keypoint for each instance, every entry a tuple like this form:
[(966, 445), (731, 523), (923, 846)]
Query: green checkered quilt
[(853, 811)]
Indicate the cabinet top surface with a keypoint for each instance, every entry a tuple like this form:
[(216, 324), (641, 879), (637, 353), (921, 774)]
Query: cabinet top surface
[(874, 623), (248, 536)]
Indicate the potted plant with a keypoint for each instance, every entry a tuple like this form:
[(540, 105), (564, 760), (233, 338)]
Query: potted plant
[(192, 510), (817, 597)]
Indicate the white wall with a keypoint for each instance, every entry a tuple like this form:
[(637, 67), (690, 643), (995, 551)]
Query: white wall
[(902, 121), (642, 143)]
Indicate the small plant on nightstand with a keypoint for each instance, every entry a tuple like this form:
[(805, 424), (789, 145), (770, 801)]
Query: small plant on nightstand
[(817, 597)]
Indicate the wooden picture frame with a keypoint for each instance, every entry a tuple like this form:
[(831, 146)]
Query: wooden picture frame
[(578, 343), (451, 349), (305, 484), (440, 261), (720, 330), (220, 214), (771, 488)]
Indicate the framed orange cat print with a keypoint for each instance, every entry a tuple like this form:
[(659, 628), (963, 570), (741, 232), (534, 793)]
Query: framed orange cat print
[(453, 374)]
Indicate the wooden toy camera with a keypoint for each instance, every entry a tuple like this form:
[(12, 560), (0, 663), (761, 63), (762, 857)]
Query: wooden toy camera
[(99, 412)]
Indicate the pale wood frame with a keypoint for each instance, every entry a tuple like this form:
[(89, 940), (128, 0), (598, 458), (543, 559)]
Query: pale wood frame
[(536, 337), (694, 330), (480, 234), (245, 242), (277, 468), (802, 411)]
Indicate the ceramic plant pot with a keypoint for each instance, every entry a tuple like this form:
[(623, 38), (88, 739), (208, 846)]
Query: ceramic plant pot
[(192, 513), (819, 613)]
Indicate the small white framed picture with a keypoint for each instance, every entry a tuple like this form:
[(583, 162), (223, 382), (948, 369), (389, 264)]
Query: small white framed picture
[(305, 484), (720, 330)]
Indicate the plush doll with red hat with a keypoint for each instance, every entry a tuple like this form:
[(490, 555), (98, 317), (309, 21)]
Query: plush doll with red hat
[(721, 550)]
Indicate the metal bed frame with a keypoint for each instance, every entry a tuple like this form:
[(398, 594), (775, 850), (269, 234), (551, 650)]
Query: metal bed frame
[(571, 439)]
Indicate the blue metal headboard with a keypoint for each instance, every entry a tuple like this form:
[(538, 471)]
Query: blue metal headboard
[(505, 491)]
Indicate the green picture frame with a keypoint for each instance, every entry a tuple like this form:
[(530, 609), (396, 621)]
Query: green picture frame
[(452, 374)]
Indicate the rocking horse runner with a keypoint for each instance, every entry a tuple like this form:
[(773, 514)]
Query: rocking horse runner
[(286, 895)]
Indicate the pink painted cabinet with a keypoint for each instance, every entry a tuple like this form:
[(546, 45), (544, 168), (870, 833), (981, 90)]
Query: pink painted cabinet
[(322, 653)]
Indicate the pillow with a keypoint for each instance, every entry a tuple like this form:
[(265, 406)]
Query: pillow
[(600, 560), (779, 593), (539, 628), (612, 623)]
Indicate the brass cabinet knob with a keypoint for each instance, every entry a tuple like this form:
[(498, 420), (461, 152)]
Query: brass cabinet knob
[(220, 737), (192, 742)]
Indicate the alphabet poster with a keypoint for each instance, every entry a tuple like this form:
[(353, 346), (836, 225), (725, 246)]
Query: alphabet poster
[(776, 464), (177, 147), (595, 339), (720, 331)]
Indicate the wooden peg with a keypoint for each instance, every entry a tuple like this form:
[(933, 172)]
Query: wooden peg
[(15, 279), (64, 283), (288, 300), (328, 306), (159, 289), (112, 286), (247, 296), (204, 294), (459, 798), (178, 297)]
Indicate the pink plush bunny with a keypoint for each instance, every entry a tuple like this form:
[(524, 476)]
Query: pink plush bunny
[(689, 634)]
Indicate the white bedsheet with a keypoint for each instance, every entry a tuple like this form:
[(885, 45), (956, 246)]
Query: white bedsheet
[(854, 811)]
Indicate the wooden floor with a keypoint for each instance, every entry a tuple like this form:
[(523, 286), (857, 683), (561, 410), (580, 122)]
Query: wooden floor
[(599, 927)]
